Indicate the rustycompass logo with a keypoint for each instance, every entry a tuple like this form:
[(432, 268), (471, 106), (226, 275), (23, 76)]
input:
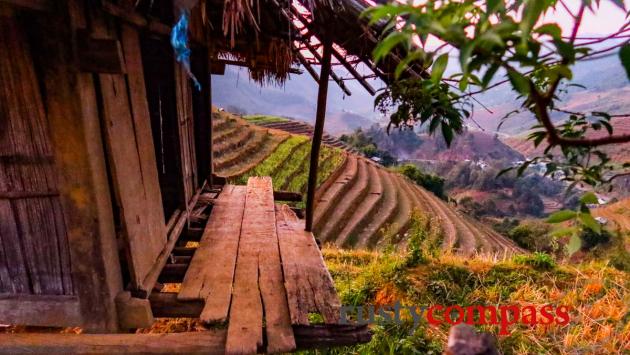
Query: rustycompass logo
[(502, 316)]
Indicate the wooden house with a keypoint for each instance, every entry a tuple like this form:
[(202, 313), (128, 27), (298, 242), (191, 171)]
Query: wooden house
[(106, 163)]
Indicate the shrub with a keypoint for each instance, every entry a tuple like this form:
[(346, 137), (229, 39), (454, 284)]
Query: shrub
[(533, 236), (539, 261), (430, 182), (591, 238)]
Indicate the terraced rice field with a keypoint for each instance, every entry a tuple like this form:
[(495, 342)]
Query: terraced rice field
[(293, 127), (359, 204), (617, 214)]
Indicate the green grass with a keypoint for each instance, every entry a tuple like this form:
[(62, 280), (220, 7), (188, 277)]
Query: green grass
[(264, 119), (288, 165), (597, 295), (273, 162)]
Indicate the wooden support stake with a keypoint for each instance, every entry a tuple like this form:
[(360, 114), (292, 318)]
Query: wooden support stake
[(318, 133)]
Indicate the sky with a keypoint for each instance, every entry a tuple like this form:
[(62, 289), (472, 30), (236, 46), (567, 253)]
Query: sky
[(605, 19)]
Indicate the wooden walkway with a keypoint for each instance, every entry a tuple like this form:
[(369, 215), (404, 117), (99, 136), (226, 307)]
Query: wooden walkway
[(259, 271)]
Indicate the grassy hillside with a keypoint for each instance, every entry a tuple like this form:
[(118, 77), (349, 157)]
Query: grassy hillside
[(359, 203), (597, 295)]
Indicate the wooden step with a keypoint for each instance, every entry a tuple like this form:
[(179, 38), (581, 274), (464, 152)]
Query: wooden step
[(258, 293)]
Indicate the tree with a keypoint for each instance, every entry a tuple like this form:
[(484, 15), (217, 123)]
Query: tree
[(506, 37), (492, 37)]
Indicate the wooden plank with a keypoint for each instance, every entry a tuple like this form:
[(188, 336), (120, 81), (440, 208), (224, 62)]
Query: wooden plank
[(287, 196), (211, 270), (166, 304), (130, 153), (72, 120), (259, 265), (143, 133), (43, 244), (330, 335), (308, 284), (13, 273), (205, 342), (40, 5), (99, 55), (49, 311)]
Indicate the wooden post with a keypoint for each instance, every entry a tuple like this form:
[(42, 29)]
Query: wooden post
[(320, 116)]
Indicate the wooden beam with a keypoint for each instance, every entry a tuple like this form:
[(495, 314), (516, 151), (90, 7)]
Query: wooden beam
[(135, 19), (332, 74), (99, 55), (206, 342), (173, 273), (48, 311), (184, 251), (166, 304), (39, 5), (354, 73), (330, 335), (240, 63), (287, 196), (133, 312), (318, 132), (172, 238), (211, 341), (309, 68)]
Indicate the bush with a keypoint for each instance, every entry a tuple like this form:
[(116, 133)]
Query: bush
[(533, 236), (430, 182), (591, 238), (539, 261)]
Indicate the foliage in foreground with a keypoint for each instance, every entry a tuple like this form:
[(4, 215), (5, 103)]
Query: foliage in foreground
[(598, 295)]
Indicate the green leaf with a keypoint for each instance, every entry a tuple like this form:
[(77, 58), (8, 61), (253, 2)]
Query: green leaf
[(487, 77), (620, 4), (463, 83), (519, 82), (575, 243), (624, 55), (531, 12), (493, 6), (561, 216), (561, 232), (589, 198), (438, 68), (464, 54), (589, 221), (550, 29), (387, 44), (447, 132), (416, 56)]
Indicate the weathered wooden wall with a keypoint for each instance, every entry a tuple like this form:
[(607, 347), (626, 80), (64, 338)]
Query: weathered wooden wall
[(34, 253)]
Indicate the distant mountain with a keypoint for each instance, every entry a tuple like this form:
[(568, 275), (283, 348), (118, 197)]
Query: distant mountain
[(296, 99), (605, 82), (471, 145)]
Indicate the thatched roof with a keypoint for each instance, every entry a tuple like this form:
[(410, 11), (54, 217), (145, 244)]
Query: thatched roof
[(270, 37)]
